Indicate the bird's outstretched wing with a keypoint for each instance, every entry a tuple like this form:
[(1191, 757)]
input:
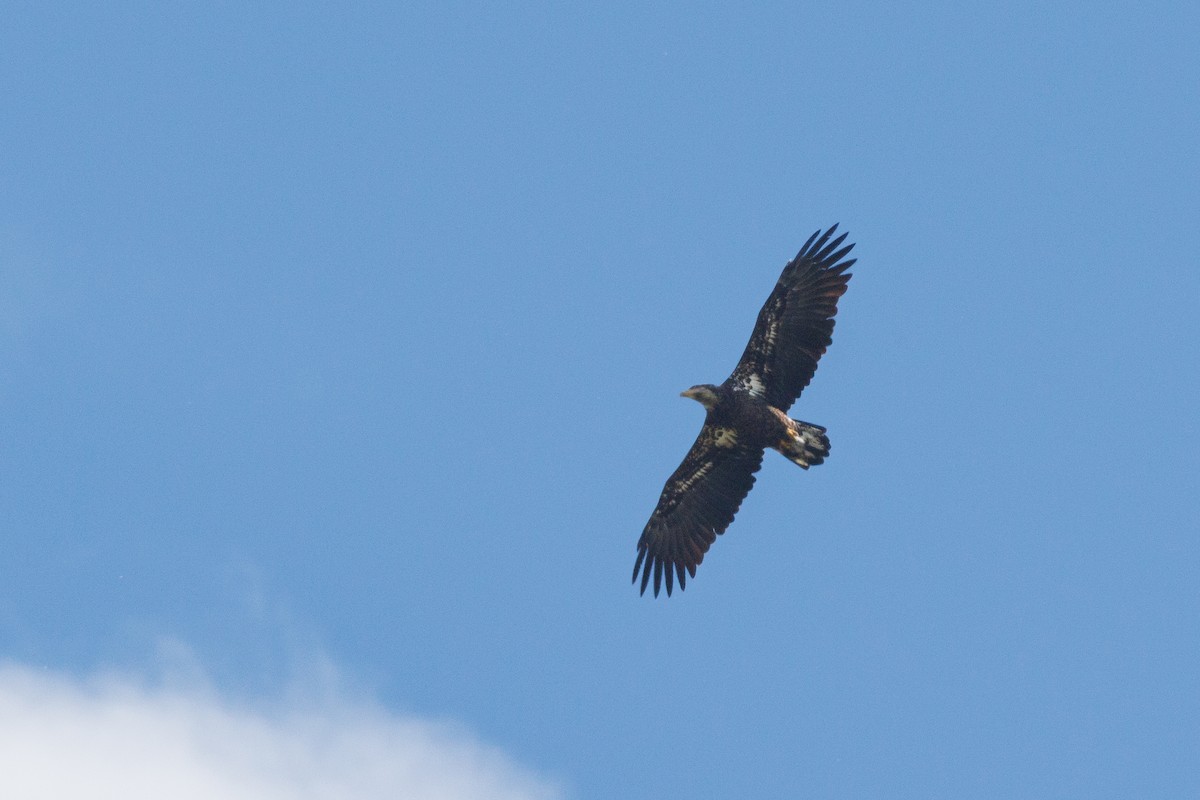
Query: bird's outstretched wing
[(696, 505), (796, 323)]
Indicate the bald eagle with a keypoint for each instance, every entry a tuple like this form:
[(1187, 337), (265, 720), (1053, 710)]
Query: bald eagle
[(747, 414)]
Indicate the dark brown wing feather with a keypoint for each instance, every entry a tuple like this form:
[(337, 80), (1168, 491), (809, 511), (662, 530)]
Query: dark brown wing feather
[(795, 325), (698, 503)]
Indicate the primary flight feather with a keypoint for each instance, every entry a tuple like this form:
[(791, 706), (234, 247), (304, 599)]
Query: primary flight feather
[(746, 415)]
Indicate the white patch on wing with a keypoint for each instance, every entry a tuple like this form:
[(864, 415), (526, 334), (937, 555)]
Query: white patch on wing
[(726, 437), (772, 332), (684, 485), (755, 385)]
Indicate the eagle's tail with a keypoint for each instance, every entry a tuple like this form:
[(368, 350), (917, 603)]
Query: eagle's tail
[(806, 444)]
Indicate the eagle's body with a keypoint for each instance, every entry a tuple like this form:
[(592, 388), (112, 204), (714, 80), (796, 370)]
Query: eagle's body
[(747, 414)]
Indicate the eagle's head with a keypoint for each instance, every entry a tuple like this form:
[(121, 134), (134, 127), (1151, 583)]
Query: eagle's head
[(705, 394)]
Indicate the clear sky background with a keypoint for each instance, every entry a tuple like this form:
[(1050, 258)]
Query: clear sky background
[(340, 351)]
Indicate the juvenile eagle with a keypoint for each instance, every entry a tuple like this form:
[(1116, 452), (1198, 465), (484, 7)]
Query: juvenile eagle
[(747, 414)]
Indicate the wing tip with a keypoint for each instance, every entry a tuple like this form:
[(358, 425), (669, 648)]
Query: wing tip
[(820, 251), (665, 571)]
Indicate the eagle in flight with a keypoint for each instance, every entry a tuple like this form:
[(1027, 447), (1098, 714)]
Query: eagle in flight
[(747, 414)]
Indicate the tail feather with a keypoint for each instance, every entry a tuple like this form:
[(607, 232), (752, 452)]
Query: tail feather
[(806, 444)]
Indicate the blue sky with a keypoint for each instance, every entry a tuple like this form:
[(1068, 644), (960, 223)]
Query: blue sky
[(340, 351)]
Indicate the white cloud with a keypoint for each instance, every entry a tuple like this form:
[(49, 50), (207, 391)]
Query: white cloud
[(113, 736)]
